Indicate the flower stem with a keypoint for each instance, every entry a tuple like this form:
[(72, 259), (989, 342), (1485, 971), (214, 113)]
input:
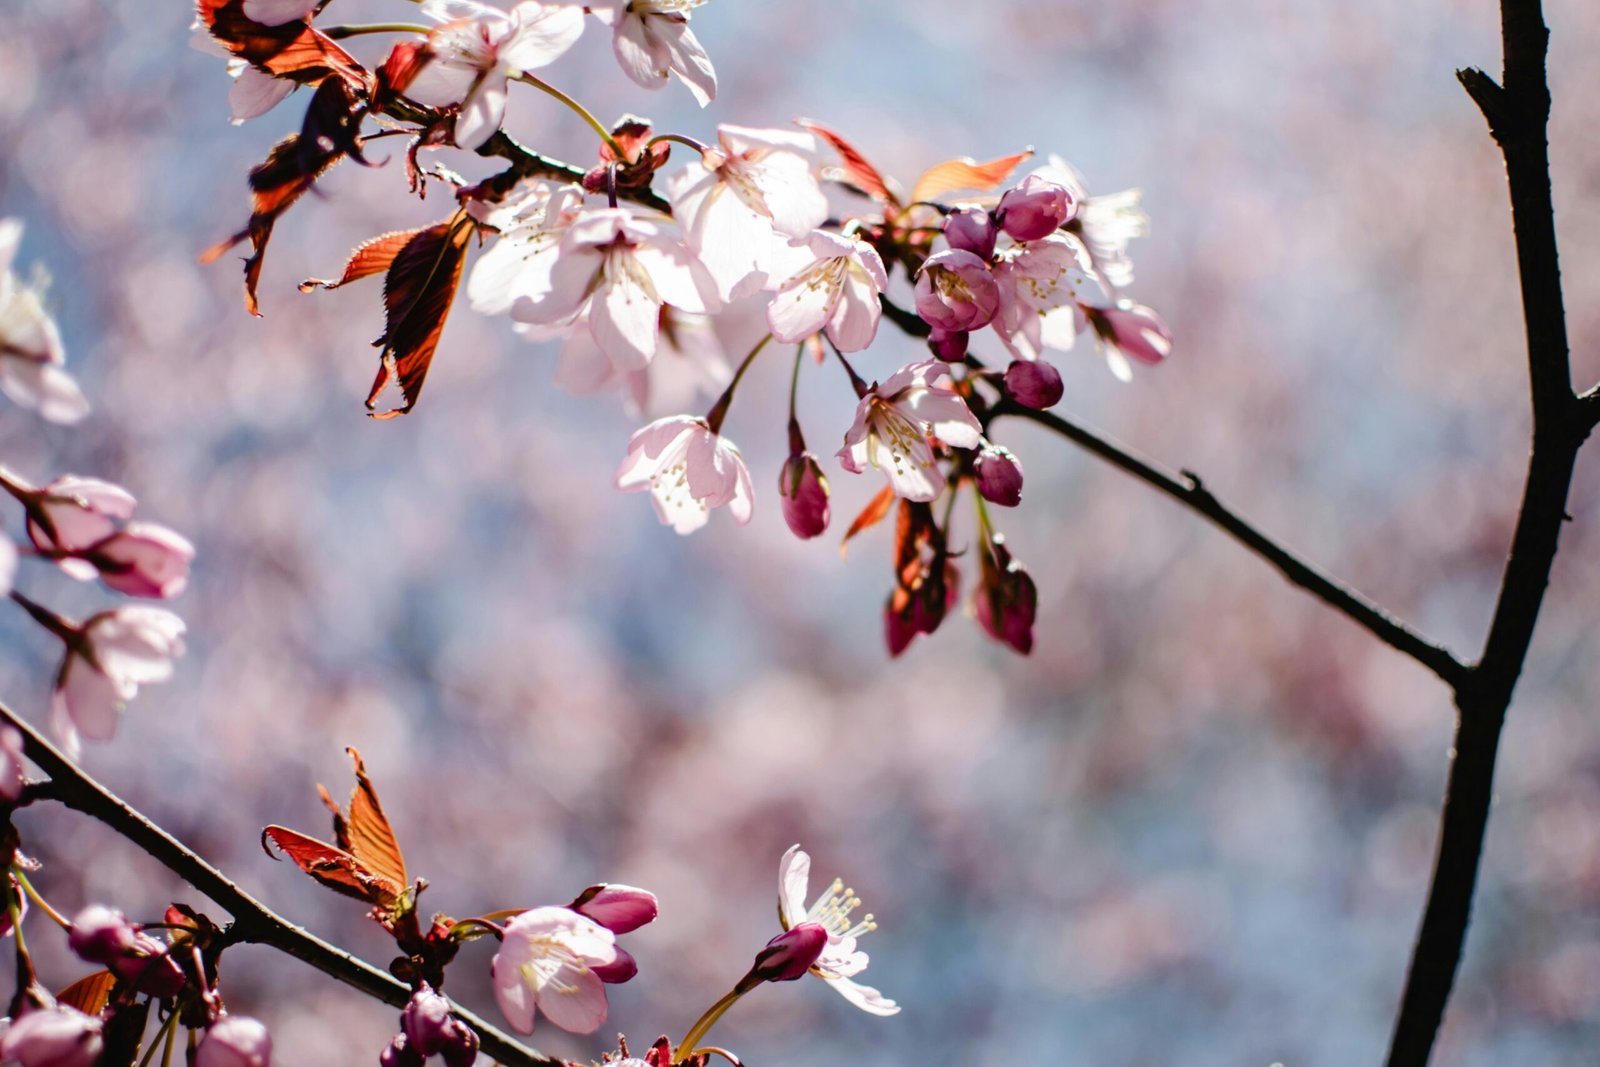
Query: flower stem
[(42, 615), (719, 410), (704, 1024), (172, 1040), (338, 33), (583, 112), (14, 485), (797, 441), (166, 1029), (33, 894), (690, 142)]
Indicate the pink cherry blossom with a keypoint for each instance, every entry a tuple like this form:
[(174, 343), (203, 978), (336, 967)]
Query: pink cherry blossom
[(113, 654), (834, 285), (955, 291), (547, 960), (53, 1037), (531, 224), (479, 48), (736, 196), (1124, 331), (616, 269), (789, 956), (144, 559), (235, 1041), (1041, 284), (689, 469), (1106, 224), (13, 771), (1036, 208), (74, 513), (895, 421), (31, 356), (652, 40), (971, 229), (839, 961)]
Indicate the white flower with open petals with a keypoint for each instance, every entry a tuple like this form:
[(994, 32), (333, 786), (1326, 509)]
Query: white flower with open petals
[(31, 356), (733, 200), (834, 286), (840, 960), (689, 469), (476, 51), (1041, 285), (618, 270), (1105, 223), (518, 264), (895, 421), (547, 960), (652, 41), (114, 654)]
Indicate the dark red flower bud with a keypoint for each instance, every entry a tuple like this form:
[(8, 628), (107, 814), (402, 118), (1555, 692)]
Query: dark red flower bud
[(971, 229), (999, 475), (1007, 600), (619, 908), (948, 345), (791, 954), (804, 489), (399, 1053), (1033, 383)]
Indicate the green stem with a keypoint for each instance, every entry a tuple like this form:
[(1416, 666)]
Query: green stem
[(704, 1024), (39, 901), (690, 142), (719, 410), (172, 1040), (583, 112), (339, 33), (166, 1029)]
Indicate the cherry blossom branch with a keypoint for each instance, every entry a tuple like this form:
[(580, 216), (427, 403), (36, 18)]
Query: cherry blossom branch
[(253, 921), (1187, 488), (1518, 113)]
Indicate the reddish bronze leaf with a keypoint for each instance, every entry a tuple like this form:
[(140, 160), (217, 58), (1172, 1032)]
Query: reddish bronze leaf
[(861, 173), (293, 50), (369, 258), (966, 173), (90, 994), (417, 293), (366, 863), (870, 516)]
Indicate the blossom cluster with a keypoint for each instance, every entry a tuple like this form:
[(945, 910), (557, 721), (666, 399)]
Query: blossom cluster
[(626, 263), (86, 528)]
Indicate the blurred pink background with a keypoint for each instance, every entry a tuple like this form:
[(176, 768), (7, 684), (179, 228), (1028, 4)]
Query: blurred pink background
[(1193, 828)]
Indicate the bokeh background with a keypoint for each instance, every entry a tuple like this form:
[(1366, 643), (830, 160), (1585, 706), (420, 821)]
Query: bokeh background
[(1193, 828)]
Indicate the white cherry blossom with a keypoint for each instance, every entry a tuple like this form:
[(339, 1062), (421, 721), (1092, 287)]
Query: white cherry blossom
[(895, 421), (840, 961), (547, 960), (731, 202), (31, 355), (478, 48), (1042, 283), (652, 40), (689, 469), (114, 654), (834, 286)]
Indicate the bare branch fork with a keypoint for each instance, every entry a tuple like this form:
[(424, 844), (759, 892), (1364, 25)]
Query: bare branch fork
[(253, 922)]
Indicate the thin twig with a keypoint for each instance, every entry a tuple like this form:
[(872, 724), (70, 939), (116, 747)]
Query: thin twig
[(1187, 488), (1518, 112), (253, 922)]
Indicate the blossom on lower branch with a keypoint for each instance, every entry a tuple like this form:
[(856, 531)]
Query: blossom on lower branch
[(108, 658), (547, 960), (689, 469), (838, 960), (894, 423)]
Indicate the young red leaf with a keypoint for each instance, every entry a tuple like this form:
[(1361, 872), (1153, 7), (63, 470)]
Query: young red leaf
[(870, 516), (370, 257), (371, 837), (89, 994), (417, 293), (861, 173), (294, 50), (332, 866), (966, 173)]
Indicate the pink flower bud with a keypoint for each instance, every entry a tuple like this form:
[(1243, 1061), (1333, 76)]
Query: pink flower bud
[(999, 476), (100, 935), (1135, 330), (804, 489), (1033, 383), (426, 1022), (144, 560), (53, 1037), (1007, 600), (1036, 208), (956, 291), (622, 969), (948, 345), (790, 955), (619, 908), (971, 229), (235, 1041), (463, 1051), (72, 513), (12, 770)]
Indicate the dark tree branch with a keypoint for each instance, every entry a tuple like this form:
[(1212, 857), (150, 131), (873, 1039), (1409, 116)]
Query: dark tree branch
[(1187, 489), (253, 922), (1518, 115)]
